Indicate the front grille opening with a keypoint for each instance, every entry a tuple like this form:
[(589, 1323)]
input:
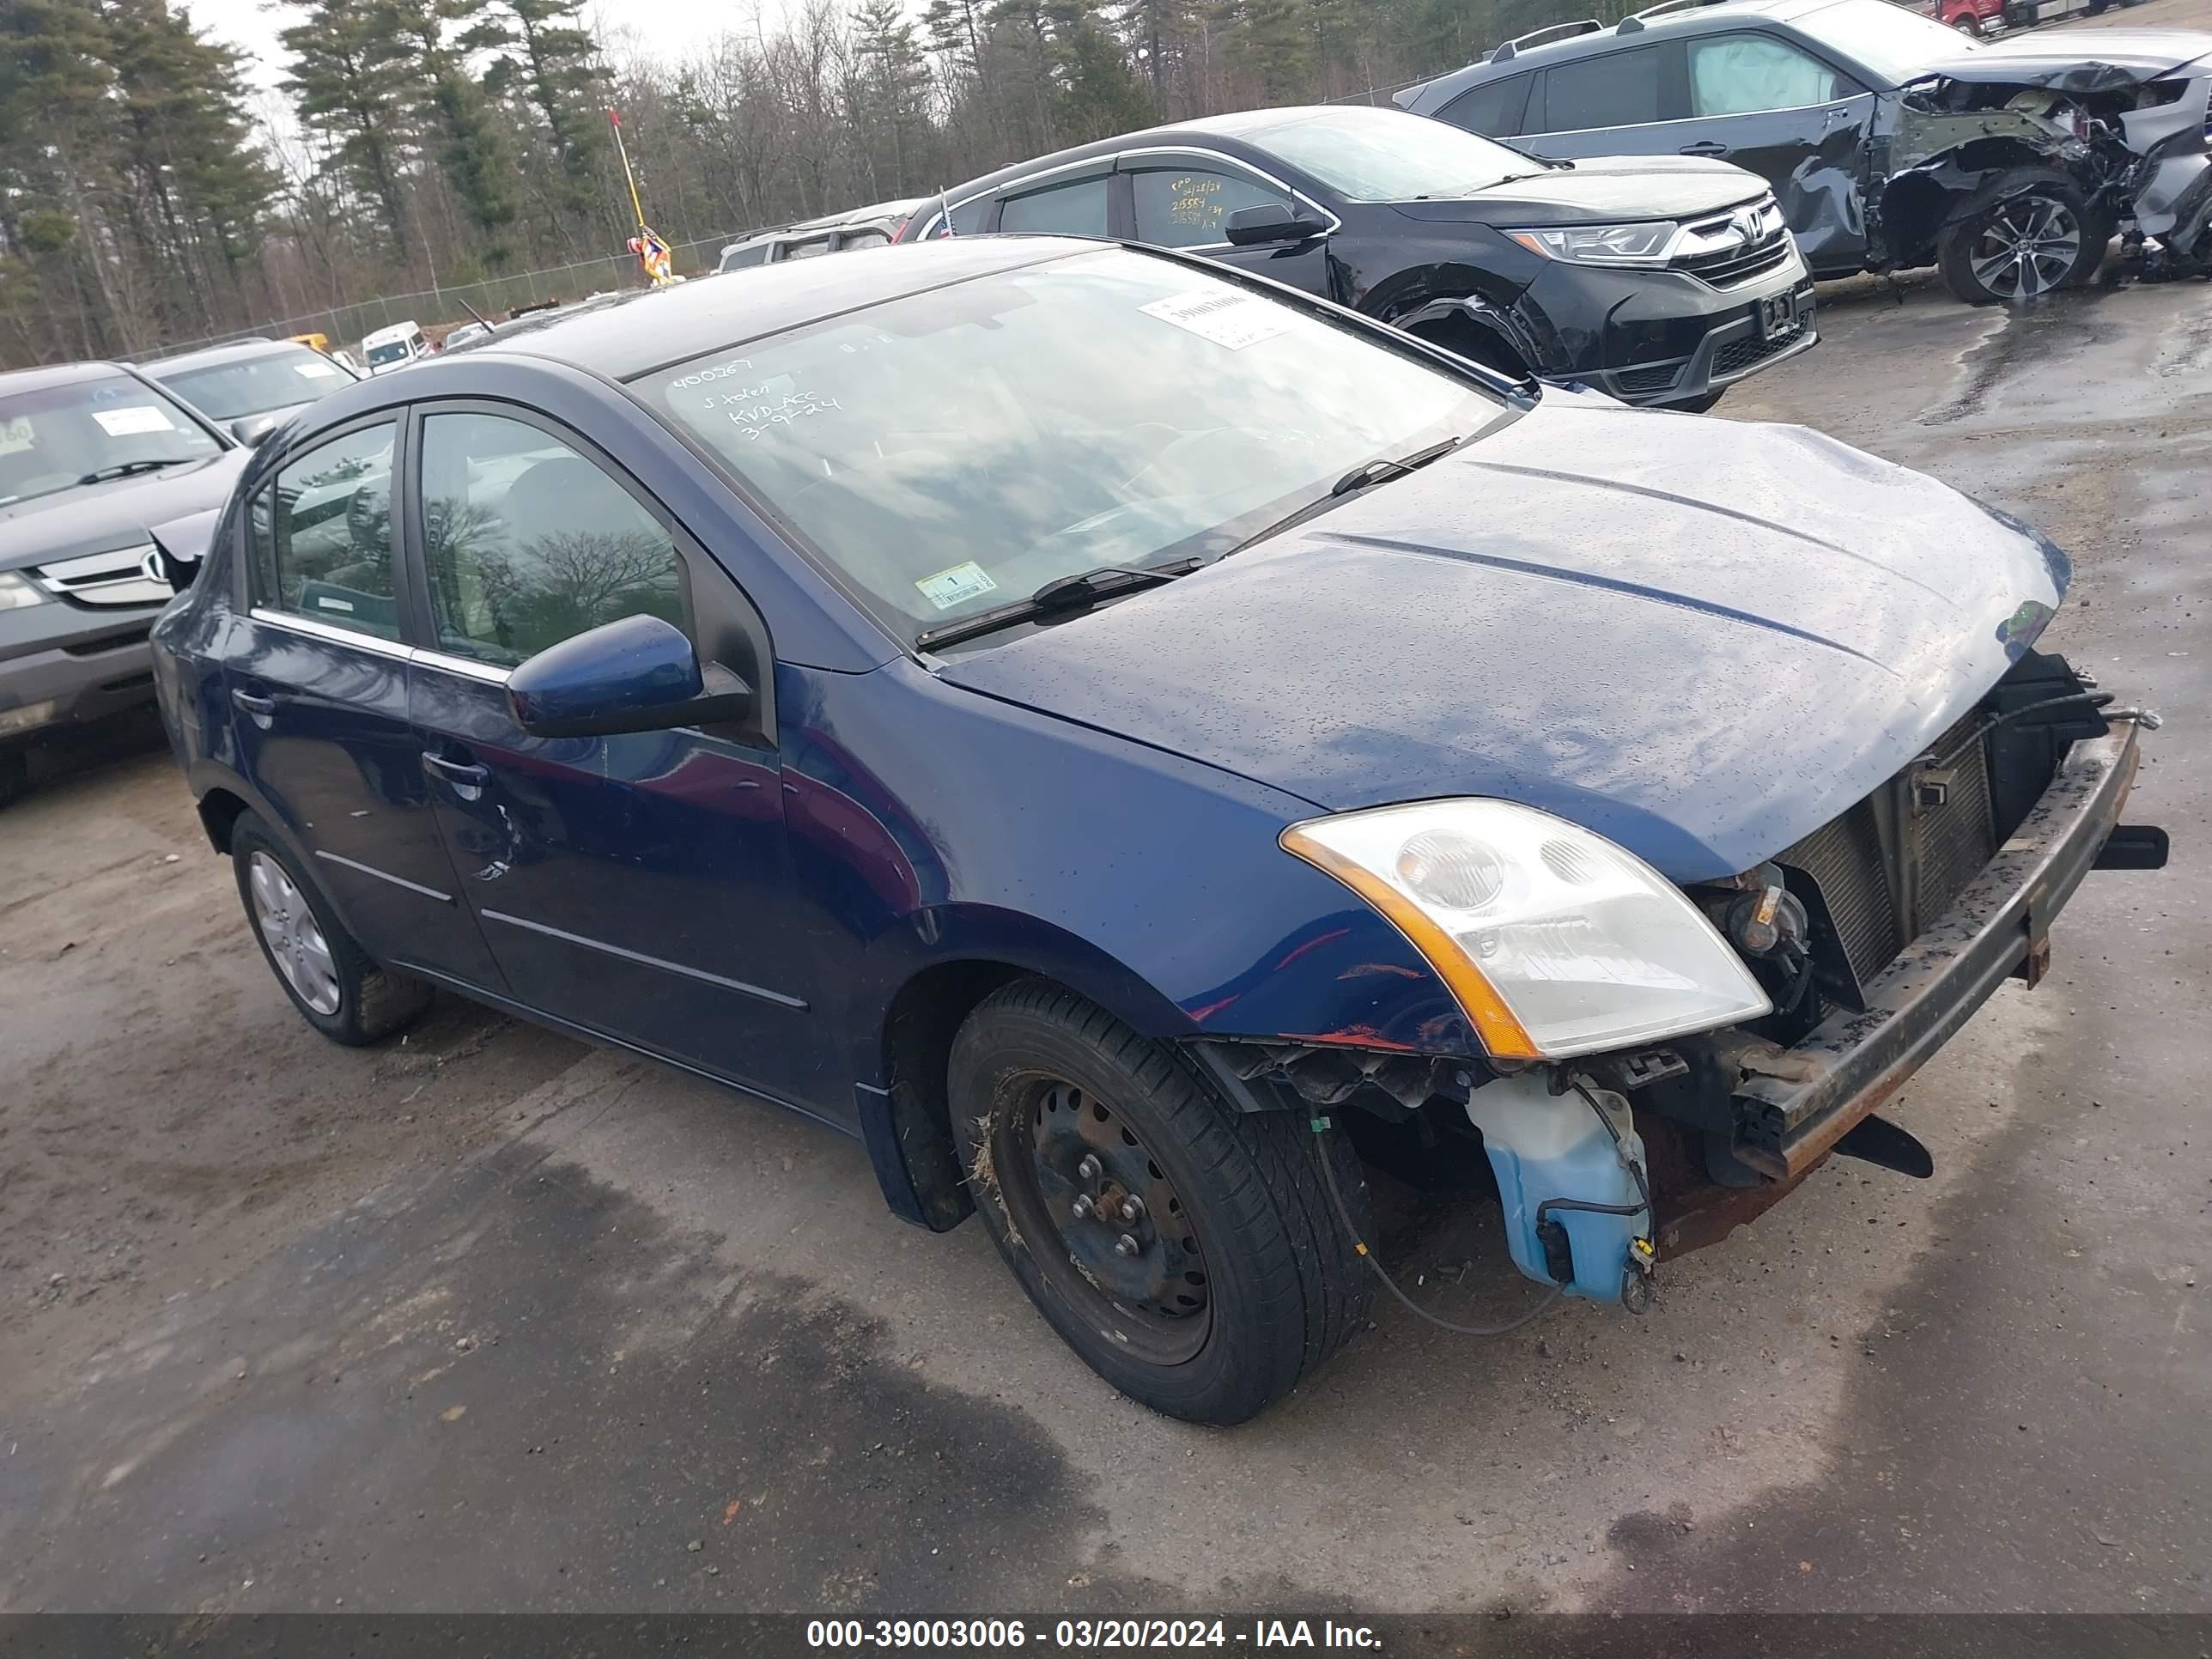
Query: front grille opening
[(1877, 876), (1740, 356)]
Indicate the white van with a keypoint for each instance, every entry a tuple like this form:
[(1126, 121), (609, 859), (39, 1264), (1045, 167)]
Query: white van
[(395, 347)]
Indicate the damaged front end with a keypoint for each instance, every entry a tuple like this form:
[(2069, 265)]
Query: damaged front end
[(2119, 147), (1874, 939)]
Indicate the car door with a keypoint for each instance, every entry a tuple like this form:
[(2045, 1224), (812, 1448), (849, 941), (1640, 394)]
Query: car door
[(1628, 101), (636, 885), (1184, 200), (1768, 104), (318, 695)]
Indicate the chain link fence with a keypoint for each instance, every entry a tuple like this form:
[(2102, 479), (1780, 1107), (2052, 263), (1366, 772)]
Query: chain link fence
[(438, 306)]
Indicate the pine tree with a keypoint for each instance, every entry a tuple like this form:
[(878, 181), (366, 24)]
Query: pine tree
[(891, 111), (348, 80), (472, 152), (546, 59)]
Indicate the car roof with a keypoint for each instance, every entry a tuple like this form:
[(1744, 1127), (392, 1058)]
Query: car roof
[(898, 210), (404, 330), (1205, 131), (618, 340), (208, 357), (37, 380)]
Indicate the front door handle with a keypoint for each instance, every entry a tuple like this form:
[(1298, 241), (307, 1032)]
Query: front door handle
[(1704, 147), (467, 778), (262, 709)]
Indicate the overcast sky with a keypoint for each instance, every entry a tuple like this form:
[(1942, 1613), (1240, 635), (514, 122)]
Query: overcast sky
[(660, 28)]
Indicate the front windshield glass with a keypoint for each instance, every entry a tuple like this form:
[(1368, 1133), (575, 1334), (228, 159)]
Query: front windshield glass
[(392, 351), (86, 431), (953, 450), (1896, 44), (1388, 156), (254, 386)]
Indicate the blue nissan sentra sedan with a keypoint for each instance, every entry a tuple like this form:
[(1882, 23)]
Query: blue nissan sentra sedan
[(1125, 740)]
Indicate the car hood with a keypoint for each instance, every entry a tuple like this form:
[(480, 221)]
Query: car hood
[(1607, 189), (2076, 61), (95, 518), (1700, 638)]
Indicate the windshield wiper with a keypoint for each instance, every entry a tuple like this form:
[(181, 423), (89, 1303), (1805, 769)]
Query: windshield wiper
[(1382, 469), (126, 469), (1061, 595)]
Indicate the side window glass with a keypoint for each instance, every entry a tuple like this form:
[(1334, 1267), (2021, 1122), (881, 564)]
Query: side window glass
[(1190, 207), (322, 535), (738, 258), (812, 248), (1739, 73), (1492, 108), (526, 543), (868, 237), (1072, 209), (1620, 89)]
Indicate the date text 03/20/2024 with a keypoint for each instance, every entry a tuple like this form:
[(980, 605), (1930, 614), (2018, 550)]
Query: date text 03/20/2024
[(1087, 1633)]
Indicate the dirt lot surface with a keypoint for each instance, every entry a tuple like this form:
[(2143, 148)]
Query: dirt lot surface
[(488, 1320)]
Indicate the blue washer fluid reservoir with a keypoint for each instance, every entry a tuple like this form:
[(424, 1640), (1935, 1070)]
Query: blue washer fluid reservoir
[(1544, 1146)]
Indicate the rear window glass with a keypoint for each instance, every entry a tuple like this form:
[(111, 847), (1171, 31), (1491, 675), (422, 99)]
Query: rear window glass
[(1494, 108), (1621, 89)]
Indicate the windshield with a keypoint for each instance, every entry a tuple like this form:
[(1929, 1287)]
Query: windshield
[(85, 430), (253, 386), (1388, 156), (952, 450), (1895, 44), (392, 351)]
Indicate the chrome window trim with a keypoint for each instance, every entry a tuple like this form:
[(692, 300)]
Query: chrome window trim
[(467, 667), (1234, 164), (639, 957), (490, 673), (384, 875), (316, 629)]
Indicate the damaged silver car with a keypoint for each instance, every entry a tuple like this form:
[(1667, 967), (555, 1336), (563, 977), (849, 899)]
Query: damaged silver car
[(1891, 142)]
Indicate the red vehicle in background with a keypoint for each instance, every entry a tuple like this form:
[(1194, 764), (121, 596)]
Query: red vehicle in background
[(1990, 17)]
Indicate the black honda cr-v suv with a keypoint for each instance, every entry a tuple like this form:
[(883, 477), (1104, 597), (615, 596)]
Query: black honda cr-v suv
[(1659, 280)]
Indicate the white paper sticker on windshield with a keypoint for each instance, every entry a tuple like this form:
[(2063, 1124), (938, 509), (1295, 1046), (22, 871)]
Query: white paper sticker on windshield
[(957, 585), (15, 435), (314, 371), (1232, 320), (130, 422)]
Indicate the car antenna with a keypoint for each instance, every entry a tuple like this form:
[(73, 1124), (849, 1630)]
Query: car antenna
[(474, 313)]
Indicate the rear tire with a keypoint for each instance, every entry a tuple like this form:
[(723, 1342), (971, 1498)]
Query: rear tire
[(2025, 236), (1239, 1281), (329, 979)]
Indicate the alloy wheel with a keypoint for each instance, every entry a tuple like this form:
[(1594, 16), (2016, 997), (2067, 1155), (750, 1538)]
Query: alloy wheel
[(2028, 247), (294, 939)]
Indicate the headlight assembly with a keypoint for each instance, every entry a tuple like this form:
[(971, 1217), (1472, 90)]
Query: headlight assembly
[(1555, 941), (1647, 243)]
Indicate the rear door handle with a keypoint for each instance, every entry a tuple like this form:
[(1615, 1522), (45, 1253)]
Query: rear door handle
[(467, 778), (1704, 147), (262, 709)]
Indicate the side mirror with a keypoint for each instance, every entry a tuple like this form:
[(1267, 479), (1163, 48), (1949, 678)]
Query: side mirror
[(179, 548), (637, 675), (1271, 222), (251, 429)]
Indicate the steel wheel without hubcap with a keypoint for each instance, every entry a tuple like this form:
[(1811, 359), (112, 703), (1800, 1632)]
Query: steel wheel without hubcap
[(295, 939), (2027, 248), (1069, 1167)]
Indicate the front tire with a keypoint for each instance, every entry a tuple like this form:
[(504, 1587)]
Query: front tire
[(1184, 1249), (329, 979), (2026, 235)]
